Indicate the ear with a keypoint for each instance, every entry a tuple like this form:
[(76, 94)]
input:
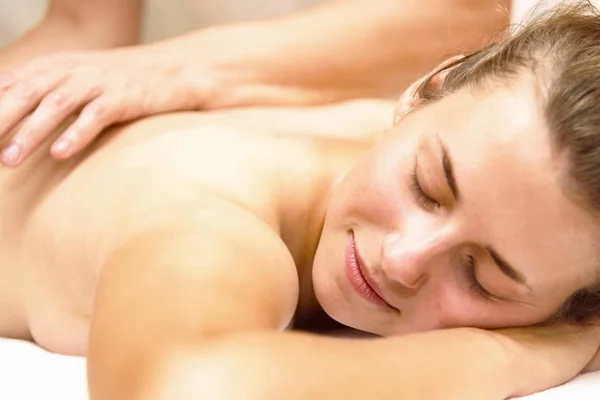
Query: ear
[(410, 98)]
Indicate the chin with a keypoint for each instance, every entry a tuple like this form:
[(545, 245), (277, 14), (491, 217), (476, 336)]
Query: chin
[(334, 293), (330, 298), (343, 307)]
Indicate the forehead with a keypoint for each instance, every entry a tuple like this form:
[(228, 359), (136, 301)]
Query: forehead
[(511, 195)]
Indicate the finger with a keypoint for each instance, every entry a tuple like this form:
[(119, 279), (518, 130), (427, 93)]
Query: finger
[(96, 116), (6, 80), (18, 101), (9, 151), (53, 110)]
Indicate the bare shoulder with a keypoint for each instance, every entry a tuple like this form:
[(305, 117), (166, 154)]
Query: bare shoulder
[(208, 170), (215, 272), (140, 172), (218, 256)]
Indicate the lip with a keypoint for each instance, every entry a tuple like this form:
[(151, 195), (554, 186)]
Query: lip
[(359, 277)]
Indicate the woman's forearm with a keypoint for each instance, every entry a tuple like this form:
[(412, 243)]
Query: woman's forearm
[(459, 364), (343, 49)]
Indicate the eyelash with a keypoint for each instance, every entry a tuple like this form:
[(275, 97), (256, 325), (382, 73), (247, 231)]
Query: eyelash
[(418, 192), (469, 267), (474, 285)]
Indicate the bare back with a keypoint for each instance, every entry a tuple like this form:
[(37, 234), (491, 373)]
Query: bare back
[(60, 220)]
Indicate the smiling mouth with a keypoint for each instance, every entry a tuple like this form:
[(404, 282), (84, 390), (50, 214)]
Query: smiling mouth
[(356, 276)]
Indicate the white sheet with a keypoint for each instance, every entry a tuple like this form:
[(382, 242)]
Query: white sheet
[(584, 387), (30, 373)]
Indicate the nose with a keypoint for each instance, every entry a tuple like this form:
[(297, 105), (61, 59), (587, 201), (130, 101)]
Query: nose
[(407, 258)]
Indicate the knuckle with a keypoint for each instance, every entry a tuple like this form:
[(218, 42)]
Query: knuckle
[(6, 80), (38, 66), (95, 91), (56, 100), (79, 132), (23, 91), (27, 136), (98, 111)]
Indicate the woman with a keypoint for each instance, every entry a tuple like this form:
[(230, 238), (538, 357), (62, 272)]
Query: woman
[(186, 244)]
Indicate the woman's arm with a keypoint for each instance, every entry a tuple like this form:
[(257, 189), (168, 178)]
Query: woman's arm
[(460, 364), (70, 25), (343, 49), (208, 273), (455, 364), (195, 309)]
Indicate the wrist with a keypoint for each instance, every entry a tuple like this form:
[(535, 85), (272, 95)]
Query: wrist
[(241, 75), (544, 357)]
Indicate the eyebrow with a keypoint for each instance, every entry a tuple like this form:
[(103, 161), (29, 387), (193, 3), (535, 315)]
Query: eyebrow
[(448, 168), (502, 264), (506, 268)]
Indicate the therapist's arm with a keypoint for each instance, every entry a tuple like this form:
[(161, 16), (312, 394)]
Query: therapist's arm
[(342, 49), (69, 25)]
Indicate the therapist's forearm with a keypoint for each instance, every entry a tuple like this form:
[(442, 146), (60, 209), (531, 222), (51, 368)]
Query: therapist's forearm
[(455, 364), (342, 49), (88, 26)]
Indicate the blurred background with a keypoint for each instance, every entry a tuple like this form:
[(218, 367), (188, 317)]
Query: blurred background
[(164, 19)]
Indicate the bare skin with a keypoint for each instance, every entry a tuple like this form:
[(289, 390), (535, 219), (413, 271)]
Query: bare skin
[(280, 63), (185, 246), (142, 260), (75, 26), (63, 250)]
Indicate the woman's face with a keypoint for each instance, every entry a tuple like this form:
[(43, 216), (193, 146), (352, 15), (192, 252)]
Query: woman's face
[(457, 218)]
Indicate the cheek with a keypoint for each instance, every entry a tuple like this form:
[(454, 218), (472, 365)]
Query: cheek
[(444, 304), (450, 306), (460, 310), (375, 189)]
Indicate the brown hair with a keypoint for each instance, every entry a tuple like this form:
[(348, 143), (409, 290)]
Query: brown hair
[(561, 49)]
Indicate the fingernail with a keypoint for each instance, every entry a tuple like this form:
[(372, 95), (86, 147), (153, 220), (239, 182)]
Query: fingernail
[(11, 154), (62, 148)]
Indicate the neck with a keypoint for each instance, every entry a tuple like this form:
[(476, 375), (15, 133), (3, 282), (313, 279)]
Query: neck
[(306, 203)]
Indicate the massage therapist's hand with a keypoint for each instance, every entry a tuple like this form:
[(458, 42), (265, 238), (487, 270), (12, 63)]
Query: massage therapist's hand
[(102, 87), (271, 62)]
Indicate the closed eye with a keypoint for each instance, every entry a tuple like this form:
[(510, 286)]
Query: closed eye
[(415, 187), (471, 279)]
